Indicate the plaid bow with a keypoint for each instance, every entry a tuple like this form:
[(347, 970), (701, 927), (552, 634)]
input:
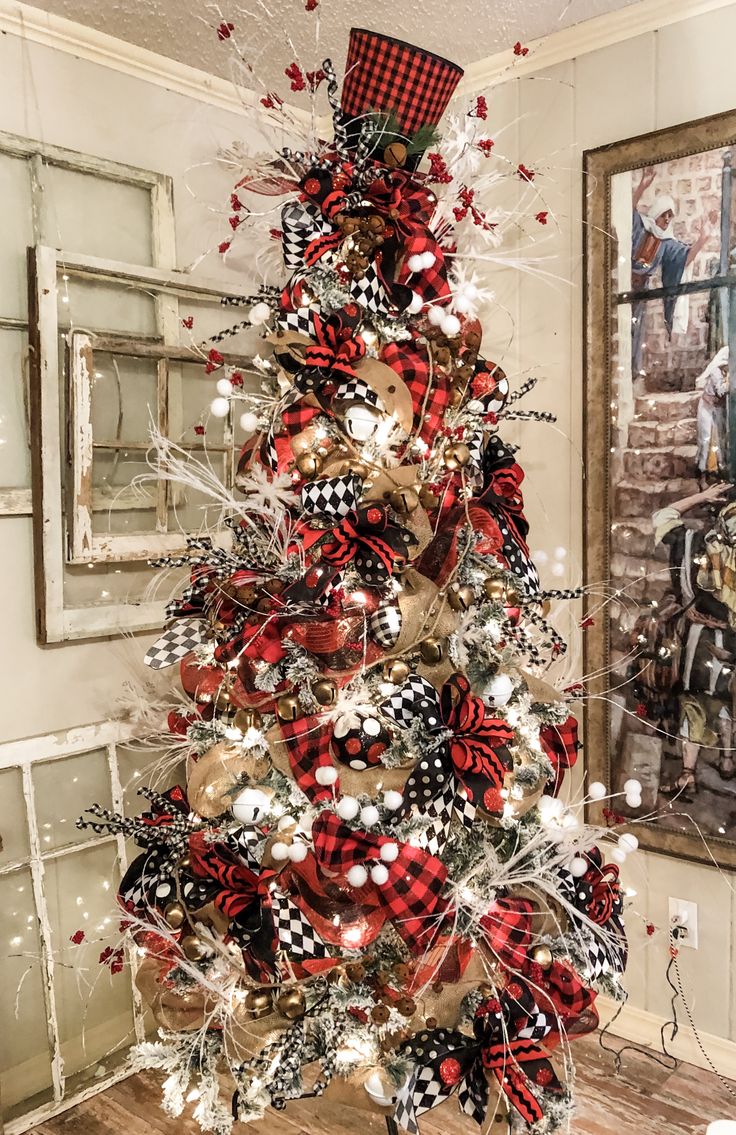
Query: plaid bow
[(240, 892), (508, 930), (506, 1032), (307, 742), (430, 402), (413, 893), (408, 207), (336, 349), (377, 546)]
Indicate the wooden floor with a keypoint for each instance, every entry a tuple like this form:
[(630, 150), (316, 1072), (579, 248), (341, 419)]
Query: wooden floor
[(645, 1099)]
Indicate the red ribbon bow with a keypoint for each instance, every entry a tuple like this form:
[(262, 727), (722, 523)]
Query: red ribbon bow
[(336, 350), (413, 893), (370, 538), (239, 886), (477, 738)]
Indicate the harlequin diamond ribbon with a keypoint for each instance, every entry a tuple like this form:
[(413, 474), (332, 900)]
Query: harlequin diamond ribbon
[(598, 896), (301, 224), (476, 754), (412, 895), (506, 1031), (377, 546)]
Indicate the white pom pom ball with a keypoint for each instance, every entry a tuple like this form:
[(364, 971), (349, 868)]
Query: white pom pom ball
[(326, 775), (285, 822), (416, 305), (224, 387), (596, 790), (298, 852), (393, 800), (416, 262), (259, 313), (578, 867), (379, 874), (628, 843), (357, 876), (219, 407), (390, 852), (279, 850), (435, 315), (348, 808), (462, 304), (632, 787), (369, 816), (248, 422), (428, 258), (618, 855), (450, 326), (633, 801), (471, 291)]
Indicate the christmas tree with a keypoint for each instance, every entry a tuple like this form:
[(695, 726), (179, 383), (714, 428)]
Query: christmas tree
[(369, 887)]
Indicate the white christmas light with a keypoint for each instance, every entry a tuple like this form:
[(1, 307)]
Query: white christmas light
[(618, 855), (632, 787), (416, 262), (428, 258), (416, 304), (219, 407), (357, 876), (347, 808)]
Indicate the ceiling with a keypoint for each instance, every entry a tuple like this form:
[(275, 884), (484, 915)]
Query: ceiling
[(272, 33)]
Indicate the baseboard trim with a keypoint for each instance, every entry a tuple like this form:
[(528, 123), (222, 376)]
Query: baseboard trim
[(643, 1028)]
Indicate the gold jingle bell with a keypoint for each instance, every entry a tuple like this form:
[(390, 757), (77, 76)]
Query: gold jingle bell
[(460, 598), (184, 863), (308, 464), (396, 671), (287, 707), (291, 1003), (494, 588), (395, 155), (259, 1002), (432, 650), (427, 498), (542, 956), (175, 915), (193, 947), (325, 692), (404, 501), (246, 719), (456, 456)]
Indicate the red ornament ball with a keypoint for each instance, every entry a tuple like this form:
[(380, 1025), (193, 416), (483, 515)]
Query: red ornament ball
[(543, 1077), (493, 800), (450, 1071)]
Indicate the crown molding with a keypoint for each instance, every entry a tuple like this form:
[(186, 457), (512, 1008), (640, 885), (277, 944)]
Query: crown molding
[(580, 39), (37, 26)]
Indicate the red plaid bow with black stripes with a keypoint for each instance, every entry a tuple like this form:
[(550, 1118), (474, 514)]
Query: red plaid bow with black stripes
[(336, 349), (240, 889), (477, 746), (413, 893)]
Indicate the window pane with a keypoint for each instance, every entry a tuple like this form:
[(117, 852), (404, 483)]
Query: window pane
[(142, 767), (15, 825), (120, 506), (63, 789), (15, 458), (93, 1005), (124, 398), (16, 234), (100, 306), (25, 1064), (100, 217), (106, 584)]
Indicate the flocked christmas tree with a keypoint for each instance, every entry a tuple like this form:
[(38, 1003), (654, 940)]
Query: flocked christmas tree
[(369, 886)]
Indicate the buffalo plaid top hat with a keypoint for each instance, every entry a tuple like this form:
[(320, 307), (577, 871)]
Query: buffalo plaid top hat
[(388, 76)]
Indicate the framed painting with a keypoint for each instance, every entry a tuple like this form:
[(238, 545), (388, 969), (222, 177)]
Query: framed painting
[(660, 492)]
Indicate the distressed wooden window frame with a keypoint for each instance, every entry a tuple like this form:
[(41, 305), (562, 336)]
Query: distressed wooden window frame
[(57, 621), (24, 755), (18, 501)]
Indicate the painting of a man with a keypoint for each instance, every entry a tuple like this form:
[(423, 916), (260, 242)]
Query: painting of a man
[(712, 419)]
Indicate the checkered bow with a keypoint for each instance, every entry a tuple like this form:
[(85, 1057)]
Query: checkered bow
[(412, 896), (376, 545), (506, 1031), (475, 756)]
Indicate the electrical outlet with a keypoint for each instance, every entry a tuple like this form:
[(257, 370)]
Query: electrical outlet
[(684, 914)]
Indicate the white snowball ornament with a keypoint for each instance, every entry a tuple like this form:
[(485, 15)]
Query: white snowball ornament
[(450, 326), (392, 800), (632, 787), (461, 303), (618, 855), (633, 800), (248, 422), (428, 258), (285, 822), (597, 790), (279, 851), (369, 816), (224, 387), (416, 262), (379, 874), (416, 304), (389, 852), (578, 867), (298, 852), (357, 876), (435, 315), (219, 407), (259, 313), (326, 775), (628, 843), (347, 808), (499, 689)]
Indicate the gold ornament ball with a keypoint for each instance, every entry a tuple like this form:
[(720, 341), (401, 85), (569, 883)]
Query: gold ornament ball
[(542, 956), (308, 464), (404, 501), (175, 915), (193, 947), (456, 456), (512, 598), (246, 719), (460, 598), (359, 468), (396, 671), (287, 707), (325, 692), (427, 498), (395, 155), (494, 588), (432, 650), (184, 863), (291, 1004)]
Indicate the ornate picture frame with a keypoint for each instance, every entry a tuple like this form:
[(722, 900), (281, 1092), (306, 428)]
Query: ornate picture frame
[(660, 444)]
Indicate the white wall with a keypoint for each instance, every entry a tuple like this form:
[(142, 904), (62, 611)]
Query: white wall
[(657, 79)]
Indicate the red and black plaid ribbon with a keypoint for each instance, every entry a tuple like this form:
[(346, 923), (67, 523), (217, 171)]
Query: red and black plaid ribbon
[(508, 930), (560, 992), (413, 893), (307, 742), (560, 743), (430, 401), (376, 545)]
